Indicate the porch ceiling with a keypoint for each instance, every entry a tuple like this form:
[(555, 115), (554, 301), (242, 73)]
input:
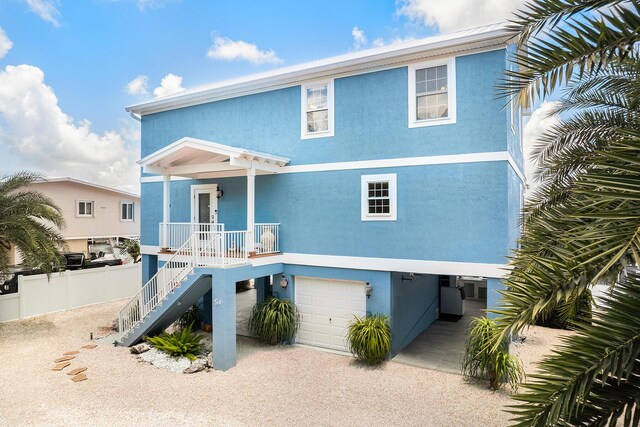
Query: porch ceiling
[(197, 158)]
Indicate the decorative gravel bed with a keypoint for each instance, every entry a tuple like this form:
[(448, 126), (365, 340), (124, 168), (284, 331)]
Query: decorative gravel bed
[(279, 385)]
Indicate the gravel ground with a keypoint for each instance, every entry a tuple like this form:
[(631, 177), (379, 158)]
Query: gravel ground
[(269, 386)]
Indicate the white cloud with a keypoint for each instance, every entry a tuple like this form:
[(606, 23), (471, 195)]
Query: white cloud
[(5, 43), (378, 42), (44, 138), (153, 4), (225, 49), (138, 86), (540, 121), (359, 38), (450, 15), (169, 84), (46, 10)]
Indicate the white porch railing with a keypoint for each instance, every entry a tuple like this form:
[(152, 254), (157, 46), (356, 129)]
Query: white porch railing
[(208, 245), (267, 238), (221, 248), (168, 277), (179, 232)]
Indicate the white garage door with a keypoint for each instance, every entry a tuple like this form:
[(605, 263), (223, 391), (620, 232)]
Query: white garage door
[(326, 309)]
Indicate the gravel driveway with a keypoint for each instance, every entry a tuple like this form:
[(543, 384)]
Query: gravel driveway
[(269, 386)]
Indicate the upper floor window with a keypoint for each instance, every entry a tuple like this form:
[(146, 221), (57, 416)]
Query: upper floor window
[(317, 109), (126, 211), (432, 93), (378, 197), (84, 208)]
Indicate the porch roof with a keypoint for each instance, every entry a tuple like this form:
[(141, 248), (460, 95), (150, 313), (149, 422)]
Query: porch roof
[(197, 158)]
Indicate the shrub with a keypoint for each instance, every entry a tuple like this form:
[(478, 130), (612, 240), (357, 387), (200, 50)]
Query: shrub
[(558, 319), (180, 343), (370, 338), (190, 317), (483, 361), (274, 320)]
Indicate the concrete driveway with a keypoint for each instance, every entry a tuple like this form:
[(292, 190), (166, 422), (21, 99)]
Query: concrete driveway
[(441, 345)]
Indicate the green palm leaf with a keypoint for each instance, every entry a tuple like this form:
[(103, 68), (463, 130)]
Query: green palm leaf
[(30, 221), (594, 377)]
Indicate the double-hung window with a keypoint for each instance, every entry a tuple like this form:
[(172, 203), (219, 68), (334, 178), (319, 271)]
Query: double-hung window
[(317, 110), (84, 208), (126, 211), (378, 197), (432, 93)]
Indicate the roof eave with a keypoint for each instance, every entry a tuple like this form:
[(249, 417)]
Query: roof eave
[(282, 79)]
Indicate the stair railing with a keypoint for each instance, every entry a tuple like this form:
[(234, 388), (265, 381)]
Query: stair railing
[(168, 277)]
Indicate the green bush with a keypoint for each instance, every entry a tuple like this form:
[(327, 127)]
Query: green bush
[(274, 320), (190, 317), (180, 343), (370, 338), (557, 318), (483, 361)]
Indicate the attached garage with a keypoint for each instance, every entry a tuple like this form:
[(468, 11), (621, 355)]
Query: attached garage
[(326, 308)]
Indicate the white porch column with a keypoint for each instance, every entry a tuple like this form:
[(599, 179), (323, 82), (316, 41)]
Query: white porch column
[(166, 210), (251, 208)]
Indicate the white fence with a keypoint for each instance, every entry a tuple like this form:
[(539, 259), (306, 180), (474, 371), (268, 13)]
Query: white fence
[(63, 291)]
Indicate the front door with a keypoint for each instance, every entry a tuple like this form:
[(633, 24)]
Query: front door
[(205, 206)]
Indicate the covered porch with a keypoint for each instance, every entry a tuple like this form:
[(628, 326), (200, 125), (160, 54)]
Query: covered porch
[(204, 235)]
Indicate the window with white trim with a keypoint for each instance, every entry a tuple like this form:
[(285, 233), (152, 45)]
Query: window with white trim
[(126, 211), (317, 109), (432, 93), (84, 208), (378, 197)]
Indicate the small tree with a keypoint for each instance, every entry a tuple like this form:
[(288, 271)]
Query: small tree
[(484, 361), (133, 249), (31, 222)]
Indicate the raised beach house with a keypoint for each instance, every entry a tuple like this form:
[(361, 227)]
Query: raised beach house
[(386, 180)]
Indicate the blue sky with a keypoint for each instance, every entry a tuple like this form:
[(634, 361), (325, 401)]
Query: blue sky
[(66, 63)]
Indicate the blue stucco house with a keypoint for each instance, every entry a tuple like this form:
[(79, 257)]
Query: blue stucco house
[(367, 182)]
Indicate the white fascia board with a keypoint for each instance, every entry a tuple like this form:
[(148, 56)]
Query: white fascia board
[(360, 61), (189, 170), (367, 263), (211, 148), (492, 156)]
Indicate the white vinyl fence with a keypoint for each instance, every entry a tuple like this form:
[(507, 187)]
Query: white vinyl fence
[(70, 289)]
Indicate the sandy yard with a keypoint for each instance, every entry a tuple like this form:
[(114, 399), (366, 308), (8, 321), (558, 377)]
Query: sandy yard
[(269, 386)]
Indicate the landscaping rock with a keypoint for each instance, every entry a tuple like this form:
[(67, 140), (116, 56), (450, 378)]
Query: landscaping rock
[(140, 348), (115, 325), (210, 360), (60, 366), (80, 377), (195, 367), (76, 371)]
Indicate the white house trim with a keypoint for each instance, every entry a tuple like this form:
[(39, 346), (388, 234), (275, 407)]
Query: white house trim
[(212, 187), (390, 264), (516, 168), (330, 109), (451, 93), (391, 179), (369, 263), (364, 61), (492, 156)]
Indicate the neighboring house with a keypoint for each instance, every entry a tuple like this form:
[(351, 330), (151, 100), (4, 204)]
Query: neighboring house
[(359, 183), (94, 214)]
